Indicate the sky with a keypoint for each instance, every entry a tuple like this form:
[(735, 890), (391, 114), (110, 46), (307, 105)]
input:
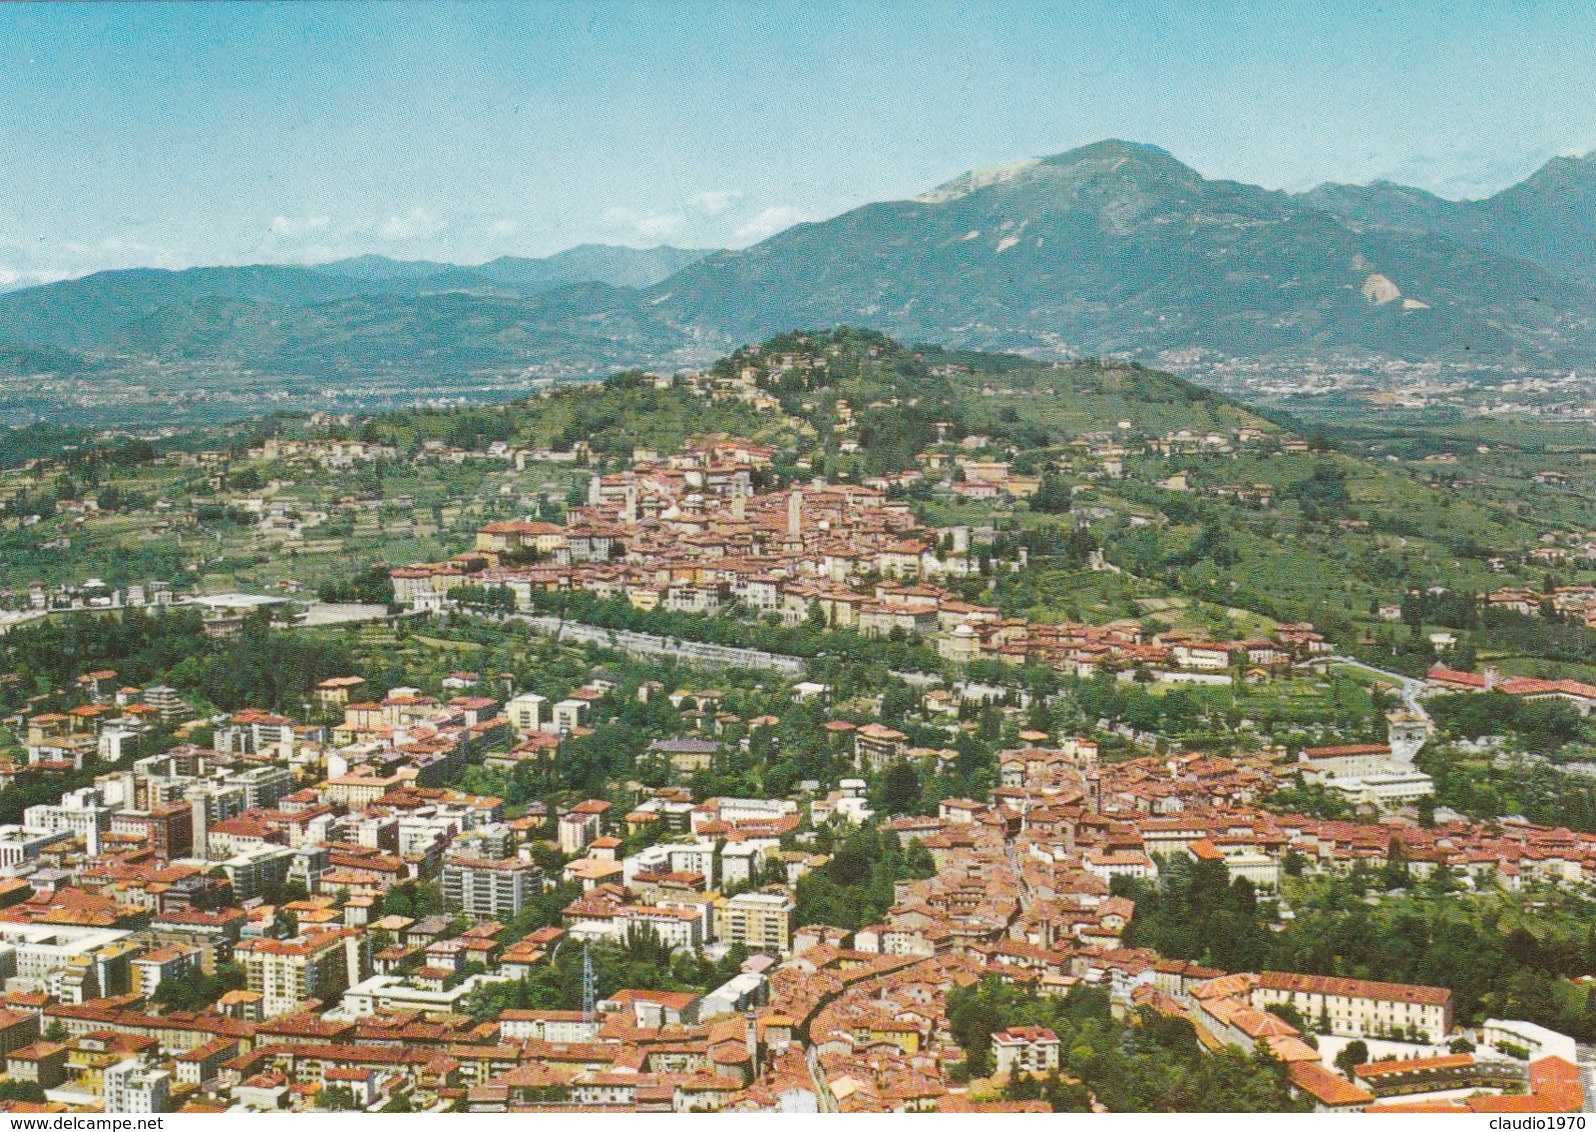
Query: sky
[(177, 135)]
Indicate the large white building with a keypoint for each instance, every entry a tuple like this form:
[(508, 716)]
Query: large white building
[(388, 994), (287, 973), (490, 889), (132, 1087), (527, 712), (675, 927), (1032, 1050), (38, 951), (1368, 773), (761, 921), (18, 846), (1359, 1008), (79, 814)]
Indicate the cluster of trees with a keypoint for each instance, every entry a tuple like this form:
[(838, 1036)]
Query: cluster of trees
[(855, 887), (40, 439), (1196, 912), (807, 640), (1148, 1063), (196, 990), (1543, 725), (1478, 945), (492, 599), (51, 654), (1486, 789), (1175, 712), (1322, 494), (1053, 497), (28, 1092), (1452, 608), (372, 586), (643, 962), (416, 900), (261, 667), (1511, 633), (1312, 800)]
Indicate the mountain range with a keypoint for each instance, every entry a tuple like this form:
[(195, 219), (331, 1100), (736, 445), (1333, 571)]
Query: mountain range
[(98, 311), (1112, 248)]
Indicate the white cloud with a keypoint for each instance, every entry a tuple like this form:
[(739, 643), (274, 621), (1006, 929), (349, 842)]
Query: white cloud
[(293, 227), (768, 222), (417, 224), (655, 226), (716, 201), (112, 253), (504, 227), (29, 263)]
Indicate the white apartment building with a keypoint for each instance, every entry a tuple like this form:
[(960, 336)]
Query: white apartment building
[(39, 951), (490, 889), (131, 1087), (675, 927), (1359, 1008), (548, 1026), (255, 869), (18, 846), (79, 814), (527, 712), (1032, 1050), (289, 972), (568, 716), (761, 921)]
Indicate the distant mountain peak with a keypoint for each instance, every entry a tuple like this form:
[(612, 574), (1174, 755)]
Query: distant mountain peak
[(966, 183), (1112, 158), (1559, 174), (1111, 147), (1116, 154)]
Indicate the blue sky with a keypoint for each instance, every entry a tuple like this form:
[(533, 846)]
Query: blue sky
[(171, 135)]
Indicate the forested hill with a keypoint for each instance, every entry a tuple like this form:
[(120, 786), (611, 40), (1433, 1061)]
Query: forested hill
[(794, 389)]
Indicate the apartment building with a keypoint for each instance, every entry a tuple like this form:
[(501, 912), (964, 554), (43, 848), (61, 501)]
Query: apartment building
[(490, 889), (526, 712), (80, 814), (579, 826), (761, 921), (132, 1087), (674, 927), (287, 973), (1359, 1008), (1032, 1050), (169, 830)]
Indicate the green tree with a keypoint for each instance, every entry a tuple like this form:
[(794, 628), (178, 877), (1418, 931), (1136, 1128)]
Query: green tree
[(1351, 1055), (336, 1098), (1052, 497), (900, 788)]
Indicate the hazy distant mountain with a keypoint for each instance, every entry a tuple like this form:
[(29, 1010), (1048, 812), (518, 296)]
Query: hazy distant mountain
[(1383, 204), (585, 263), (1112, 248), (578, 328), (1549, 219), (84, 313), (1119, 247), (91, 311), (596, 263)]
